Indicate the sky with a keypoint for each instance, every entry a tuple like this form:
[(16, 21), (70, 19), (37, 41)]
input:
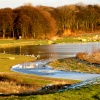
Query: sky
[(51, 3)]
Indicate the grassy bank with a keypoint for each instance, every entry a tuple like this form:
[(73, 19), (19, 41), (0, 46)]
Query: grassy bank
[(83, 62), (22, 42), (85, 93), (93, 58), (8, 60), (79, 38), (74, 64), (13, 82)]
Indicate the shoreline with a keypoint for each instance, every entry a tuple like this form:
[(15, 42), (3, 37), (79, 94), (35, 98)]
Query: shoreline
[(22, 42), (53, 88), (18, 73), (11, 77), (52, 73)]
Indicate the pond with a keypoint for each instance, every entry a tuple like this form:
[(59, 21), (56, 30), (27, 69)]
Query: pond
[(48, 53), (56, 51)]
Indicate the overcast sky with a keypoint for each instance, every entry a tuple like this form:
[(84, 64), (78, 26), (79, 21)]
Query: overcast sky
[(52, 3)]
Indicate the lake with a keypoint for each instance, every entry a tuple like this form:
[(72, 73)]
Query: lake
[(47, 53), (52, 51)]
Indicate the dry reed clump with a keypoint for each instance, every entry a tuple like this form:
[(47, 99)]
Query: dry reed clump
[(81, 56), (91, 58), (17, 84), (12, 87)]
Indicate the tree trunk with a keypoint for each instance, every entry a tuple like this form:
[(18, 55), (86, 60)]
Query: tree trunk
[(92, 27), (77, 25), (3, 33)]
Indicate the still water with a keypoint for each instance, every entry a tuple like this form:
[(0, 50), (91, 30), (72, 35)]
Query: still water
[(52, 51)]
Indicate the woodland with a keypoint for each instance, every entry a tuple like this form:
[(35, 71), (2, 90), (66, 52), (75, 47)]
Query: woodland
[(43, 22)]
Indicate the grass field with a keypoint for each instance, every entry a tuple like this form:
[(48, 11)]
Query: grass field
[(21, 42), (13, 82), (84, 93)]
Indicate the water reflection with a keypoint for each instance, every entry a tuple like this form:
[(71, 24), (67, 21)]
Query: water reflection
[(52, 51)]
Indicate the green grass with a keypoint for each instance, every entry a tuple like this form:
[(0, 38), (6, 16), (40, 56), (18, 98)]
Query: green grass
[(12, 42), (74, 64), (68, 39), (6, 63), (78, 38), (85, 93)]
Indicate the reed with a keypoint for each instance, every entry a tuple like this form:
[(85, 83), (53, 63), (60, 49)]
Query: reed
[(93, 58)]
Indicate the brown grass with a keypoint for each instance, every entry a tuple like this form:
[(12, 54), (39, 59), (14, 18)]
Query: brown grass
[(13, 83), (7, 87), (26, 84), (91, 58)]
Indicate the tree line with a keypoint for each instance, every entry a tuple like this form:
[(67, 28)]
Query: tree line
[(42, 22)]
